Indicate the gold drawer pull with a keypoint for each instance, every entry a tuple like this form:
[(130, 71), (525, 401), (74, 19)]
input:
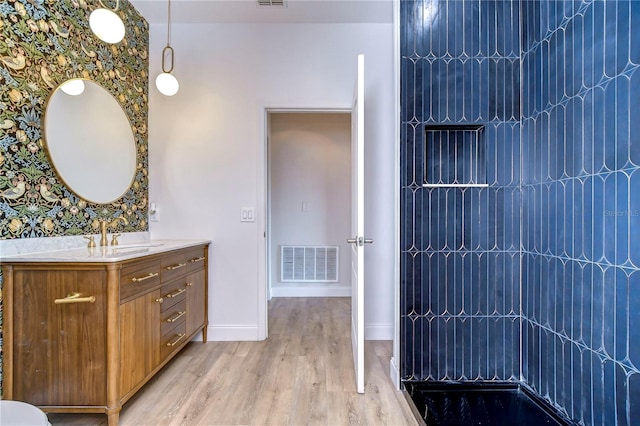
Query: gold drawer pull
[(177, 317), (176, 293), (178, 266), (159, 300), (197, 259), (175, 342), (189, 284), (151, 275), (74, 297)]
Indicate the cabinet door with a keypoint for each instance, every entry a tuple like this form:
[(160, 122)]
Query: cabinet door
[(196, 301), (139, 339), (59, 349)]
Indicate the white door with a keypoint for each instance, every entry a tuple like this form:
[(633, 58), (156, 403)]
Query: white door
[(357, 239)]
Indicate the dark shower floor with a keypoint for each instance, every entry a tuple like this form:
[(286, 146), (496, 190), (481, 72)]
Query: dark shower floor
[(452, 404)]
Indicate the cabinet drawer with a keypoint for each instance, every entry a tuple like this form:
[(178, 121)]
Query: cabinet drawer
[(137, 278), (173, 266), (173, 339), (195, 259), (173, 316), (172, 293)]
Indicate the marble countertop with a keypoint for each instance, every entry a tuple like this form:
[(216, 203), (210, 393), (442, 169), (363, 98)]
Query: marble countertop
[(104, 254)]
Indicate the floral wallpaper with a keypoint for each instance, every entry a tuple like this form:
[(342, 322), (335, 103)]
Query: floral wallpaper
[(42, 44)]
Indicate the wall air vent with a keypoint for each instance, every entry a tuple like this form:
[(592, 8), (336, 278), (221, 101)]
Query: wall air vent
[(280, 3), (309, 264)]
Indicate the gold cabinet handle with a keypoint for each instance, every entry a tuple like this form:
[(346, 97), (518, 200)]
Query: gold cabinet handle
[(176, 293), (189, 284), (178, 266), (146, 277), (175, 342), (74, 297), (159, 300), (197, 259), (177, 317)]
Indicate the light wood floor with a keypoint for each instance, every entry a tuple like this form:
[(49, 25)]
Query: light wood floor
[(301, 375)]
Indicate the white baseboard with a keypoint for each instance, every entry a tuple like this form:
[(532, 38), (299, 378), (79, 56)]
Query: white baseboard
[(310, 291), (378, 332), (231, 333)]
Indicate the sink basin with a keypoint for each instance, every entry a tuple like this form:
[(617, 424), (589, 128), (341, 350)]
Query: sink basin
[(125, 252), (136, 245)]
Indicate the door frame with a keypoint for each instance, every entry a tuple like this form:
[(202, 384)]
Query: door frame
[(262, 217)]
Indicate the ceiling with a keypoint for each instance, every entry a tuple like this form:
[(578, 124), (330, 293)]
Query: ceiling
[(248, 11)]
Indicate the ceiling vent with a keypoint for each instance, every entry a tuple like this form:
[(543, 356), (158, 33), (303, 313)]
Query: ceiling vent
[(279, 3)]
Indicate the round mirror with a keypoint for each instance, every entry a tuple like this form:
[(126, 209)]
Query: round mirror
[(90, 142)]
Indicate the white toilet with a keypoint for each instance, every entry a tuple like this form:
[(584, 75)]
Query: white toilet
[(17, 413)]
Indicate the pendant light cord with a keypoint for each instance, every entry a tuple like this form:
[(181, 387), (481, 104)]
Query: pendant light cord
[(168, 22)]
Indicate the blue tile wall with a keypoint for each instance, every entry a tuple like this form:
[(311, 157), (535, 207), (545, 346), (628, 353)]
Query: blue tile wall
[(535, 277), (581, 207), (460, 254)]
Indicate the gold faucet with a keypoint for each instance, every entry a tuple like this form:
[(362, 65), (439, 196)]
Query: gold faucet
[(104, 224)]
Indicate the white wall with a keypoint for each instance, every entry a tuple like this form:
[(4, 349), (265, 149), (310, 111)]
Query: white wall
[(310, 164), (206, 148)]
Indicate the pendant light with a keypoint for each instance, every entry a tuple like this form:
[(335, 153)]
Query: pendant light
[(166, 83), (73, 87), (106, 24)]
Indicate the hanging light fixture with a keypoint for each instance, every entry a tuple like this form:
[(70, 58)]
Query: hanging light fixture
[(73, 87), (166, 83), (106, 24)]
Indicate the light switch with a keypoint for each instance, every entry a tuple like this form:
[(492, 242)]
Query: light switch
[(247, 214)]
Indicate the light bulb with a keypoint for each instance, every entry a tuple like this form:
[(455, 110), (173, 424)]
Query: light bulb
[(167, 84), (106, 25), (73, 87)]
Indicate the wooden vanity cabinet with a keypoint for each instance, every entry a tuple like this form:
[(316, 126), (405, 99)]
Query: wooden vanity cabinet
[(94, 355)]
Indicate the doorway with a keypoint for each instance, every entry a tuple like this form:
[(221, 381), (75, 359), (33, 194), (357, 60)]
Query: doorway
[(356, 239), (308, 203)]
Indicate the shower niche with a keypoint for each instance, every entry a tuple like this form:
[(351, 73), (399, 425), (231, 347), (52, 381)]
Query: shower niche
[(454, 156)]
